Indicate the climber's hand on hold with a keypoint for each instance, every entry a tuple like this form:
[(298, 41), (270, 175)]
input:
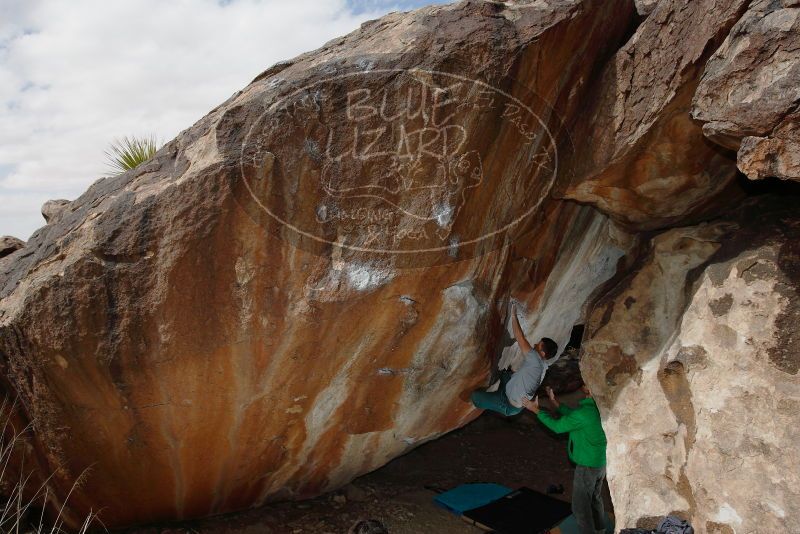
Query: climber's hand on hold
[(523, 343)]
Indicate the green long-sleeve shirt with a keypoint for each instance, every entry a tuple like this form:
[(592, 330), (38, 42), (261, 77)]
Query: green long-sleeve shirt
[(587, 441)]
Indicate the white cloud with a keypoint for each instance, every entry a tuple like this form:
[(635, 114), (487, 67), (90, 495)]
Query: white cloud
[(75, 75)]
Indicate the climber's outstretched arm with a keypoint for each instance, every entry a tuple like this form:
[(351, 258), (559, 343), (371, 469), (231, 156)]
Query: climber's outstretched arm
[(518, 335)]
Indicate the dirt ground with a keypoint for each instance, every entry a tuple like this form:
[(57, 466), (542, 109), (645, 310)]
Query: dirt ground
[(515, 452)]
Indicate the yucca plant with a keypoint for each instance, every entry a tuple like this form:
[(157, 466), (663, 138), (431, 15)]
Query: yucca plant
[(130, 152)]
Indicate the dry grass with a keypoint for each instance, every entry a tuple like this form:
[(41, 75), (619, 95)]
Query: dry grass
[(23, 508)]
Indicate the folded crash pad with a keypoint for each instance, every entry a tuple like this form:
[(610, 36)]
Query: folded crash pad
[(468, 496), (523, 511)]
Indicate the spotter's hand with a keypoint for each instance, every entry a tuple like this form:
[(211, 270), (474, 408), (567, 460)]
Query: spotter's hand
[(532, 405)]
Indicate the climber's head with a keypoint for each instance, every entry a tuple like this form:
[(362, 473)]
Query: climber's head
[(547, 348)]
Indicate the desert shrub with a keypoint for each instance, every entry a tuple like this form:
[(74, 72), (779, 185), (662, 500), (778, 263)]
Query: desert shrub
[(130, 152)]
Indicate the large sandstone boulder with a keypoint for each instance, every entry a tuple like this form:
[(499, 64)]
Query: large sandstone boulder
[(694, 362), (310, 280), (750, 90)]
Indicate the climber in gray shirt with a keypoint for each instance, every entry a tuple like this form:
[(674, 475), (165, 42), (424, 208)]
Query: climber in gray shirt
[(520, 386)]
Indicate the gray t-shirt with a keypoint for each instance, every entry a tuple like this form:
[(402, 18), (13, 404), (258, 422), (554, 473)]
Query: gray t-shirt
[(527, 379)]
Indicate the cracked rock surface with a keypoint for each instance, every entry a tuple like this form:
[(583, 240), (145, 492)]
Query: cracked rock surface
[(749, 94)]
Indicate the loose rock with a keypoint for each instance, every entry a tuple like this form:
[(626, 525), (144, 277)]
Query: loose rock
[(9, 245)]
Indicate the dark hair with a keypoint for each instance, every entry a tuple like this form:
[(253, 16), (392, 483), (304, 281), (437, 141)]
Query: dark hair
[(550, 347), (368, 526)]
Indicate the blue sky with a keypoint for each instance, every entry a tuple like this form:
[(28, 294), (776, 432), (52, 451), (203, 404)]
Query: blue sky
[(76, 75), (384, 6)]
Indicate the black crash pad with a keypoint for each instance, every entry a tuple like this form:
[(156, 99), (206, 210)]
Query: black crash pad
[(523, 511)]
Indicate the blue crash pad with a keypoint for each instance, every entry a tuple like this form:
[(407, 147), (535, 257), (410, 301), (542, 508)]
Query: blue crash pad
[(468, 496)]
